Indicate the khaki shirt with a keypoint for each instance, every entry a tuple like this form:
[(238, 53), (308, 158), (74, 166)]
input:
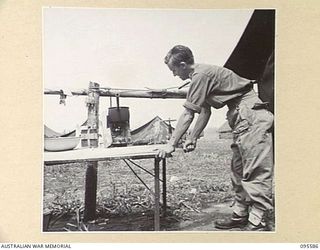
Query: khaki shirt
[(214, 86)]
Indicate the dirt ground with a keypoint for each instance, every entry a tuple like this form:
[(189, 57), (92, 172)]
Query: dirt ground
[(198, 192)]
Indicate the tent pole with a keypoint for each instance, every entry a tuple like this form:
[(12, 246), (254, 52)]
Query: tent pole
[(130, 93)]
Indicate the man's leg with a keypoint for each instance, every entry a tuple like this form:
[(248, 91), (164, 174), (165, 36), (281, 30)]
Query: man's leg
[(241, 204), (255, 147), (257, 174), (240, 208)]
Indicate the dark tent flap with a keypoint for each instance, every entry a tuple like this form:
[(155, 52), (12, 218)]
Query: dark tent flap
[(255, 46), (266, 84), (253, 57)]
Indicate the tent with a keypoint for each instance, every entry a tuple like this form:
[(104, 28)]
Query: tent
[(225, 132), (253, 57), (48, 132), (155, 131)]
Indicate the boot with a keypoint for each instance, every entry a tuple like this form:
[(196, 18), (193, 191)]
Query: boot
[(235, 221), (259, 227)]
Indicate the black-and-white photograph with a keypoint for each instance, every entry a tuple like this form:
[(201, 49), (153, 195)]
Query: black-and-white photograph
[(158, 120)]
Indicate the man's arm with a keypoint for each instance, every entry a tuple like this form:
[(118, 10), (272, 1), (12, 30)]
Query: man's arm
[(183, 124), (201, 123)]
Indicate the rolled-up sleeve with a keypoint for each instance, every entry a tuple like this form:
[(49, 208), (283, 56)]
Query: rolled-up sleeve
[(198, 91)]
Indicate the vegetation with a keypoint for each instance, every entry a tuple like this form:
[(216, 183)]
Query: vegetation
[(195, 181)]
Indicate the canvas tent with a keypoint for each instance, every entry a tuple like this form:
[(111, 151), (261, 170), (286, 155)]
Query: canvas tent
[(48, 132), (253, 57), (225, 132), (155, 131)]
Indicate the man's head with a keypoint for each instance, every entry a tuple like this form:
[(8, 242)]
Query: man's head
[(180, 61)]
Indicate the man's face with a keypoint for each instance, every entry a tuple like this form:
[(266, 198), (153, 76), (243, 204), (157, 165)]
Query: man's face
[(181, 70)]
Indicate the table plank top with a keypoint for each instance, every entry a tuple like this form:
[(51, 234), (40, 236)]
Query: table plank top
[(102, 154)]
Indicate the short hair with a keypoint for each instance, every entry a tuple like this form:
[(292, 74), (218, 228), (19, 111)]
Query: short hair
[(178, 54)]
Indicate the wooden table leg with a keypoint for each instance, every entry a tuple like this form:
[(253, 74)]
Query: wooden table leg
[(164, 187), (157, 195), (90, 191), (92, 167)]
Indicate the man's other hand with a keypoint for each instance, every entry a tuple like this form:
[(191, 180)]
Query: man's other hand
[(168, 149), (189, 145)]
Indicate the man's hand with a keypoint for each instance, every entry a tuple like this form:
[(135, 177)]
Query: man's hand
[(167, 150), (189, 145)]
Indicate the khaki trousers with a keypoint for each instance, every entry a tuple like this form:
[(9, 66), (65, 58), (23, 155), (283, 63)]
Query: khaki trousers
[(252, 162)]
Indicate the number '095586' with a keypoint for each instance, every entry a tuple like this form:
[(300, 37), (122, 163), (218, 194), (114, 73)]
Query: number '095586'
[(309, 246)]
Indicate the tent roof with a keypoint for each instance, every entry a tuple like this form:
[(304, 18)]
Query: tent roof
[(155, 131), (157, 118), (48, 132)]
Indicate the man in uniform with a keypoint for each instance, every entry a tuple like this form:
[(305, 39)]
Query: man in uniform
[(251, 168)]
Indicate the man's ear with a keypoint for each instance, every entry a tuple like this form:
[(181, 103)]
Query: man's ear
[(183, 65)]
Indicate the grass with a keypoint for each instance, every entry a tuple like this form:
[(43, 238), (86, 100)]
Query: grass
[(194, 180)]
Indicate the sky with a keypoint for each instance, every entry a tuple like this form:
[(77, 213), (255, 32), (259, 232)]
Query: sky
[(125, 48)]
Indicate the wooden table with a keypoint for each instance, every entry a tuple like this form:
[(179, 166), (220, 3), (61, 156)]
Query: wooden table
[(117, 153)]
